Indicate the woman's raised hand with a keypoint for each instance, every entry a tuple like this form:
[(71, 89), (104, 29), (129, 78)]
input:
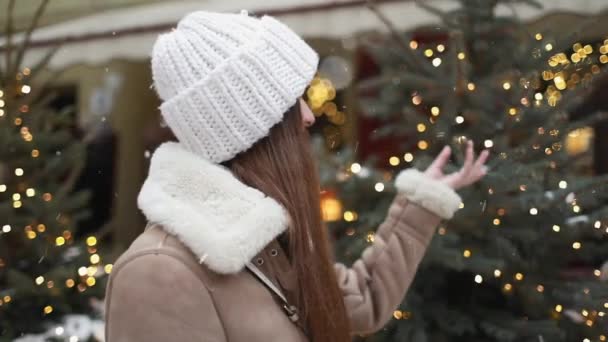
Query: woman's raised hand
[(472, 170)]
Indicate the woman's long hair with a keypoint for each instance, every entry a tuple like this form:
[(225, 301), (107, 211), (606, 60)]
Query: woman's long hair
[(282, 166)]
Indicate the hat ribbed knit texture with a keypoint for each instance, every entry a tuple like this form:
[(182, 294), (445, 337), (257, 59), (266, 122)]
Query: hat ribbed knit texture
[(226, 79)]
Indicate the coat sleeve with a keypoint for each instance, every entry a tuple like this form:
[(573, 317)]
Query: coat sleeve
[(376, 283), (157, 297)]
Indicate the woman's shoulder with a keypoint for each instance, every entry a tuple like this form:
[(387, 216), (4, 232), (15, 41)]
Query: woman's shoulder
[(157, 251)]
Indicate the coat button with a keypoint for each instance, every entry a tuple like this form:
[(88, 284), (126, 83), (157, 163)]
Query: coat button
[(274, 252), (259, 261)]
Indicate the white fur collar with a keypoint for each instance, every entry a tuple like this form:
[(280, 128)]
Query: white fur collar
[(223, 221)]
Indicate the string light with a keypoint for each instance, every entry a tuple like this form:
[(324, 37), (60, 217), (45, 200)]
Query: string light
[(94, 259), (91, 241), (538, 36), (416, 99), (461, 55), (108, 268), (519, 276), (459, 119), (563, 184), (436, 62), (39, 280), (478, 279), (6, 228), (597, 224), (26, 89), (488, 143), (69, 283), (506, 85), (558, 308), (576, 245), (421, 127), (508, 287), (60, 241), (471, 86), (350, 216), (413, 45), (379, 187), (540, 288), (428, 52), (435, 111), (408, 157), (496, 221), (370, 237), (18, 172), (440, 47), (467, 253), (423, 145), (533, 211), (355, 168), (597, 273), (549, 47), (48, 309), (91, 270), (90, 281), (497, 273), (394, 161), (82, 271), (556, 228)]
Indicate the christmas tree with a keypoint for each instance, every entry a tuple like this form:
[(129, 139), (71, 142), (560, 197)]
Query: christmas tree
[(45, 271), (522, 260)]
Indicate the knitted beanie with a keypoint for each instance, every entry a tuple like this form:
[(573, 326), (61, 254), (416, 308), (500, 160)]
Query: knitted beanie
[(226, 79)]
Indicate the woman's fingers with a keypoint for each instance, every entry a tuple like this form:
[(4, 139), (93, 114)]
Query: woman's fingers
[(479, 166), (442, 159), (468, 161)]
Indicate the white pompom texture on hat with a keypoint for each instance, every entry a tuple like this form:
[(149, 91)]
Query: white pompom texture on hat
[(226, 79)]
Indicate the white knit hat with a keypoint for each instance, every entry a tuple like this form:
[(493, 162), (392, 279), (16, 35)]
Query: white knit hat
[(226, 79)]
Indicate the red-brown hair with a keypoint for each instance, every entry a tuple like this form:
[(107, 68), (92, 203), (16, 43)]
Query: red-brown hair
[(282, 166)]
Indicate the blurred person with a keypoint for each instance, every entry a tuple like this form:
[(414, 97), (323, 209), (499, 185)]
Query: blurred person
[(235, 249)]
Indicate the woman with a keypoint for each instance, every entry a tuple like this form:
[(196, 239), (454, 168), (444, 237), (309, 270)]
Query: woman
[(235, 249)]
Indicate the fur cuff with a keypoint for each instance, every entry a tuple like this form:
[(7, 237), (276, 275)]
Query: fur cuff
[(428, 193)]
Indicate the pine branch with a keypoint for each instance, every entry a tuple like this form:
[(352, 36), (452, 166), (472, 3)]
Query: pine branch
[(9, 35), (42, 63), (432, 10), (394, 33), (28, 35)]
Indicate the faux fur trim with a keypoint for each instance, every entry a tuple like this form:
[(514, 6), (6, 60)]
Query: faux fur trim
[(223, 221), (428, 193)]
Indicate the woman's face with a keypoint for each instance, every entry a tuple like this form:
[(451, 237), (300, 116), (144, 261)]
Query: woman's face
[(308, 118)]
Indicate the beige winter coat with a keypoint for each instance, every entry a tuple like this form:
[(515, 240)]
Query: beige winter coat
[(184, 279)]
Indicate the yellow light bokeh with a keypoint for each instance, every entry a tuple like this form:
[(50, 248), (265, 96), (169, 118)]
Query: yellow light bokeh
[(91, 241)]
